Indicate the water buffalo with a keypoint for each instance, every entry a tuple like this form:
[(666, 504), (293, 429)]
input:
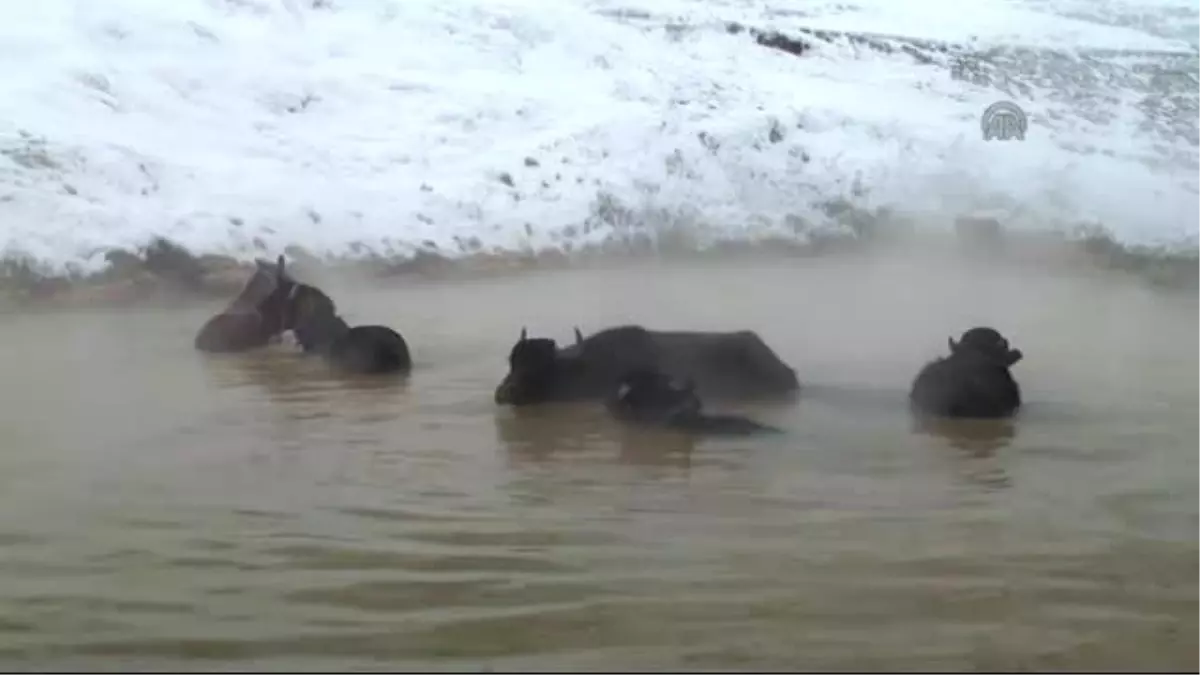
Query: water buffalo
[(254, 317), (312, 317), (974, 381), (652, 398), (726, 365)]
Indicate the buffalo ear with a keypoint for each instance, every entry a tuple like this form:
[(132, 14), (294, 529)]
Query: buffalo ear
[(578, 336), (524, 333), (953, 345)]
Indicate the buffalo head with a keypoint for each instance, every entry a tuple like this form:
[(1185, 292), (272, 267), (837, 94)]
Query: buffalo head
[(265, 293), (305, 304), (535, 370), (986, 343), (255, 316)]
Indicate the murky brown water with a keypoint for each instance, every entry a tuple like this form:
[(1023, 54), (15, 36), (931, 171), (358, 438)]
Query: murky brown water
[(162, 509)]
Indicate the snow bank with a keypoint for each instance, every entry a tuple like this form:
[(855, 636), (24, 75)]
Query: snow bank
[(242, 126)]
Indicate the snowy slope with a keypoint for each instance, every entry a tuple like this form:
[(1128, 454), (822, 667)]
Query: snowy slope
[(377, 125)]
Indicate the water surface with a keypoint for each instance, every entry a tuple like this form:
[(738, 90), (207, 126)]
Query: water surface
[(160, 509)]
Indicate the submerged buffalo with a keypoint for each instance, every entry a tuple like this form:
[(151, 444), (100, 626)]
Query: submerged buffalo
[(974, 381), (254, 317), (723, 365), (651, 398), (312, 317)]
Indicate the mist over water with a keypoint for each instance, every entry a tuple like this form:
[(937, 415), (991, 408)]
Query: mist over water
[(160, 508)]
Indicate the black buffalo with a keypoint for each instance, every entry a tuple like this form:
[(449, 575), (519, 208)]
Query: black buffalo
[(728, 365), (974, 381), (652, 398), (254, 317), (312, 317)]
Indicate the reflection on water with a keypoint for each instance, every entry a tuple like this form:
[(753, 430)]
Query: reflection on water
[(558, 432), (163, 509), (978, 444)]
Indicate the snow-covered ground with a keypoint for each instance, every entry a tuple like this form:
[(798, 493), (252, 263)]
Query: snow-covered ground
[(387, 125)]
